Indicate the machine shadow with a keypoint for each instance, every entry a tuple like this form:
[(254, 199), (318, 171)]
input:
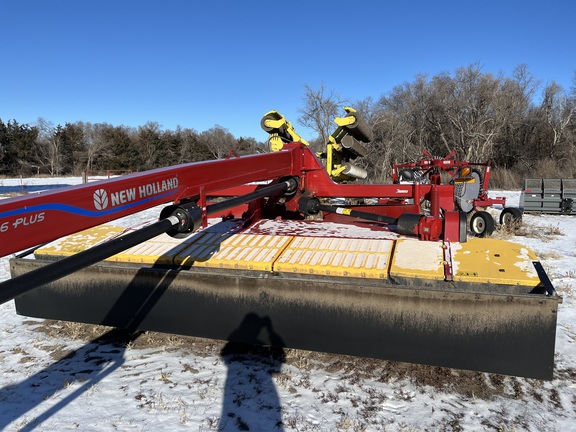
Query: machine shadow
[(251, 401), (87, 365), (257, 403)]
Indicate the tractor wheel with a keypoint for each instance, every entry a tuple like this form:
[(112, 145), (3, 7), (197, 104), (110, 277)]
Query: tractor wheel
[(510, 216), (481, 224)]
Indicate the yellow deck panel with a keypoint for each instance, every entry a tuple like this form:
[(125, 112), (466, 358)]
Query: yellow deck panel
[(336, 257), (164, 249), (158, 250), (418, 259), (238, 251), (72, 244), (494, 261)]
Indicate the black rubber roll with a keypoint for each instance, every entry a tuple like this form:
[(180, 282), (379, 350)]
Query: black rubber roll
[(359, 129), (408, 224), (263, 123), (354, 146)]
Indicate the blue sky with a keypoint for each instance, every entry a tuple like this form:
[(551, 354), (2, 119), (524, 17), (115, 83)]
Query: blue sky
[(198, 64)]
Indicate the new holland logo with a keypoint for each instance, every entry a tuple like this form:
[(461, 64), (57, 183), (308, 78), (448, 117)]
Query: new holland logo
[(100, 199)]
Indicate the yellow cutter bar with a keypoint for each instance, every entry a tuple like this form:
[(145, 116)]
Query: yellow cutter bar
[(478, 260), (366, 258)]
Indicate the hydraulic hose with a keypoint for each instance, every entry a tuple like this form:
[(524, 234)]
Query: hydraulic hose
[(21, 284)]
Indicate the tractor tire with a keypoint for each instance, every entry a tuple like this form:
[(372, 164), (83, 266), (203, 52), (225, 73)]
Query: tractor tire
[(481, 224), (510, 216)]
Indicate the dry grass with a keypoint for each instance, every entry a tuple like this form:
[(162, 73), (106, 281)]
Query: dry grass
[(549, 168), (550, 255), (513, 179), (544, 233), (505, 179), (565, 289)]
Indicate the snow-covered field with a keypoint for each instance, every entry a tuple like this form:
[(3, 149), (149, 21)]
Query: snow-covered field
[(57, 376)]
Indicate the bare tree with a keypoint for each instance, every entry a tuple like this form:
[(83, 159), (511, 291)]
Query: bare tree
[(320, 109), (512, 110), (558, 111), (526, 81), (471, 111), (391, 144), (48, 146), (94, 141), (149, 144), (219, 141), (463, 112), (410, 108)]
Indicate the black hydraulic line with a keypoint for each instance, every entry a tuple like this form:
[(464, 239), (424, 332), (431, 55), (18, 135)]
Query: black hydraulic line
[(21, 284), (175, 220), (289, 184), (29, 251), (313, 205), (358, 214)]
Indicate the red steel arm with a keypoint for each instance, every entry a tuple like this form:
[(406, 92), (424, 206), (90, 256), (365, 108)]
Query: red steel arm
[(27, 221)]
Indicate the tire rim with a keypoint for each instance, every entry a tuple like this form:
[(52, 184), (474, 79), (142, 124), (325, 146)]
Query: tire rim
[(478, 225)]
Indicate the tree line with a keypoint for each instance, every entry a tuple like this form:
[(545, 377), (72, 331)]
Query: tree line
[(45, 149), (523, 127)]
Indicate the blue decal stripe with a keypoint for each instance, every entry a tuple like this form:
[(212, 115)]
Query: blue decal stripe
[(77, 210)]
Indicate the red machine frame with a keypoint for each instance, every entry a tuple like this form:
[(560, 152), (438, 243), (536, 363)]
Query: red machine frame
[(432, 167), (28, 221)]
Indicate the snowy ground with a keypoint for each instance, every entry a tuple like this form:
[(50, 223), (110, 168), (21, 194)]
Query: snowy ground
[(58, 376)]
